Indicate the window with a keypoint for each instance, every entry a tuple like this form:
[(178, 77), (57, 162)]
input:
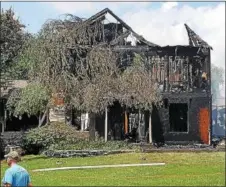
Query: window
[(178, 113)]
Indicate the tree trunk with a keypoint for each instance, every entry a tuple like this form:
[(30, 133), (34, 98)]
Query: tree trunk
[(39, 120), (47, 116), (150, 129), (42, 119)]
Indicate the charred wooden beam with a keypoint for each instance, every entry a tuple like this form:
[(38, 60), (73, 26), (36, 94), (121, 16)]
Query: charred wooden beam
[(161, 51), (210, 101), (152, 51), (120, 38), (99, 19), (131, 48), (97, 15), (106, 10), (130, 29), (141, 38), (167, 74), (194, 39)]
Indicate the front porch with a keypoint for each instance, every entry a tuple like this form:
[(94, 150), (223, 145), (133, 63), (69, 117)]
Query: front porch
[(120, 123)]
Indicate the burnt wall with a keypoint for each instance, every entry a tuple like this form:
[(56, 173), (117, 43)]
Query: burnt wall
[(198, 119)]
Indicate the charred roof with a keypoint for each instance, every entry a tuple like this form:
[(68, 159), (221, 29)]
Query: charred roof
[(194, 39)]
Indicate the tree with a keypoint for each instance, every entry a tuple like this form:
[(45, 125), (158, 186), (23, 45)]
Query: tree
[(66, 57), (138, 89), (32, 100), (21, 68), (55, 57), (12, 38)]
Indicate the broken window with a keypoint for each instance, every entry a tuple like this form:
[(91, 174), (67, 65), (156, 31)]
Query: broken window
[(178, 117)]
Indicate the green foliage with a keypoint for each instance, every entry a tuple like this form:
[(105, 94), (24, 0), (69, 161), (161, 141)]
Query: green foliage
[(31, 100), (12, 39), (93, 145), (13, 100), (137, 88), (66, 58), (59, 136), (54, 134), (25, 60)]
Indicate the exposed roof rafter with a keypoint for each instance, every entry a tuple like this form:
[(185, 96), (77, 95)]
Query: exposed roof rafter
[(194, 39), (107, 10), (120, 38)]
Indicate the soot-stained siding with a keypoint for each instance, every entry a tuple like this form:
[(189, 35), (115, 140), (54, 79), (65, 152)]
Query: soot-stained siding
[(198, 119), (183, 76)]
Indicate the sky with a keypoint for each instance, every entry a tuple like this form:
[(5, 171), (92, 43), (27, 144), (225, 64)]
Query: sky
[(159, 22)]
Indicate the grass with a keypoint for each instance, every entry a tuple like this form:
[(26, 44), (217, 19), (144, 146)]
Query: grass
[(181, 169)]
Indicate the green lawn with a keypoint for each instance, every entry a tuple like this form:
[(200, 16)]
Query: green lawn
[(190, 169)]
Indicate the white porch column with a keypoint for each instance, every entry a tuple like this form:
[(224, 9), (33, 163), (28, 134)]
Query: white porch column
[(106, 125), (150, 129)]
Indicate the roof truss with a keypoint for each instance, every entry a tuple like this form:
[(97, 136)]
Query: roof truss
[(196, 40), (102, 13)]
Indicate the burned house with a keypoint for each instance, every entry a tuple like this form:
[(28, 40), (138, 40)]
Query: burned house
[(184, 80)]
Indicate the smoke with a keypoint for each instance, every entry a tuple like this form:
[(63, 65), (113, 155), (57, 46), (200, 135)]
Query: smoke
[(217, 76)]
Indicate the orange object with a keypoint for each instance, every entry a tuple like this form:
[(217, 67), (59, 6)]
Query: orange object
[(204, 123), (126, 123)]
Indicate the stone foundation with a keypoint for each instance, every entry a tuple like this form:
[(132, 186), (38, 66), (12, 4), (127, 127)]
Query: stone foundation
[(81, 153)]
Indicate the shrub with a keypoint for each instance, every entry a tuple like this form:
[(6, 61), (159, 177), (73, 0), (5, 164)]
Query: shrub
[(59, 136), (50, 136), (93, 145)]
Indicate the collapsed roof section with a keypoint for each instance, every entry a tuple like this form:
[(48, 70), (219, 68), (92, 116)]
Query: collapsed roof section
[(195, 40), (123, 31), (126, 32)]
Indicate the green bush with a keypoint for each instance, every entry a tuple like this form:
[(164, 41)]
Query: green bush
[(50, 136), (91, 145), (59, 136)]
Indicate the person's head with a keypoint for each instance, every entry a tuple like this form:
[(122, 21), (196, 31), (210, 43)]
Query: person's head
[(12, 157)]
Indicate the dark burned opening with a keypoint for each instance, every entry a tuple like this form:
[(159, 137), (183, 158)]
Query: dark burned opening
[(115, 121), (165, 101), (178, 113), (24, 122)]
